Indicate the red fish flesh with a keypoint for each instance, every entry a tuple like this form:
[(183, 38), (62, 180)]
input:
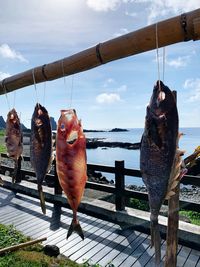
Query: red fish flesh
[(71, 162)]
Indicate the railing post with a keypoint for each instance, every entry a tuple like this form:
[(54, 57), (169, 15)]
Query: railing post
[(57, 189), (119, 185)]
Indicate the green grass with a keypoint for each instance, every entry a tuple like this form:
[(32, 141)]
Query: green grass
[(2, 132), (192, 215), (31, 256), (3, 148)]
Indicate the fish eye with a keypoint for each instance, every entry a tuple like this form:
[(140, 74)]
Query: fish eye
[(62, 127)]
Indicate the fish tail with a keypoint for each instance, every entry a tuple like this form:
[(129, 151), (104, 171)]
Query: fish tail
[(75, 227), (14, 176), (42, 199), (155, 239)]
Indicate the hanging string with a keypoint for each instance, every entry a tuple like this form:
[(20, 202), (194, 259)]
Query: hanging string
[(157, 56), (163, 64), (7, 100), (33, 74), (14, 98), (71, 93), (44, 93), (63, 73)]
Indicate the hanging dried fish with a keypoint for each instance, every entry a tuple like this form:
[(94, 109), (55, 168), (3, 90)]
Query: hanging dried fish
[(41, 147), (71, 162), (160, 159), (14, 139)]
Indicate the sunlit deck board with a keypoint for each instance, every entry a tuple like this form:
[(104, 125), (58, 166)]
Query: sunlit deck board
[(105, 242)]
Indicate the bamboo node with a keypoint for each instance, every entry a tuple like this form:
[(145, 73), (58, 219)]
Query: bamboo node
[(43, 72), (184, 26), (98, 54)]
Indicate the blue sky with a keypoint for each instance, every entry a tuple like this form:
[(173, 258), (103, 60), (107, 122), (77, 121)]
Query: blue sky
[(36, 32)]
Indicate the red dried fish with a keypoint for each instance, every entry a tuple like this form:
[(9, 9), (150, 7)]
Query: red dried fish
[(71, 162)]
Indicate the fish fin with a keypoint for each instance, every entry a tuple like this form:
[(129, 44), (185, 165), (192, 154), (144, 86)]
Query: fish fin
[(156, 241), (42, 199), (75, 227)]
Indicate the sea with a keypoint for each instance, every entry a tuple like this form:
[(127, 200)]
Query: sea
[(188, 142)]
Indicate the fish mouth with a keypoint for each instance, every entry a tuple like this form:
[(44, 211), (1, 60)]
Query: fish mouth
[(73, 136)]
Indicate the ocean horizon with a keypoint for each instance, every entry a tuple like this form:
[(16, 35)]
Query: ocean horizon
[(107, 156)]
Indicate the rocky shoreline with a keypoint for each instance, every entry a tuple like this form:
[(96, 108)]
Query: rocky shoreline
[(92, 143), (187, 193)]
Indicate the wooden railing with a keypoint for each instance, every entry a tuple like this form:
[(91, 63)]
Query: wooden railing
[(118, 189)]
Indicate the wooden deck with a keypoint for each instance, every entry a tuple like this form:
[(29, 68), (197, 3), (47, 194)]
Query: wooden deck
[(104, 243)]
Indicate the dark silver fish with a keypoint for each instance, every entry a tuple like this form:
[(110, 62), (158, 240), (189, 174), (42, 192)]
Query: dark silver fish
[(160, 160), (14, 139), (41, 147)]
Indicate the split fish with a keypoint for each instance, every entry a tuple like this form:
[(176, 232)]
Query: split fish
[(71, 162), (14, 139), (41, 147), (160, 158)]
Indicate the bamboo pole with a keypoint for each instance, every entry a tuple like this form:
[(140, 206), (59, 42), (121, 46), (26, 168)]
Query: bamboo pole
[(181, 28), (19, 246)]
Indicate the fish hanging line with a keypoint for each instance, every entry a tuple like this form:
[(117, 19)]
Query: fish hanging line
[(6, 95), (72, 84), (44, 93), (36, 93), (158, 60)]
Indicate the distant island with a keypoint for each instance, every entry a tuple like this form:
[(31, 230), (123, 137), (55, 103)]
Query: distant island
[(105, 131), (118, 130)]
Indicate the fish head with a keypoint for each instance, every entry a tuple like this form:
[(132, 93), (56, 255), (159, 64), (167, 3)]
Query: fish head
[(162, 116), (69, 126), (12, 117), (40, 115), (162, 100)]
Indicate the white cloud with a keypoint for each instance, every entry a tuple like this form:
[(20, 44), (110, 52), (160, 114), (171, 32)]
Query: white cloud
[(7, 52), (103, 5), (122, 31), (131, 14), (160, 8), (194, 86), (122, 88), (178, 62), (108, 82), (4, 75), (108, 98)]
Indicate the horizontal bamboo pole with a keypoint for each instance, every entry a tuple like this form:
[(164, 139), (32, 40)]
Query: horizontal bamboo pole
[(22, 245), (177, 29)]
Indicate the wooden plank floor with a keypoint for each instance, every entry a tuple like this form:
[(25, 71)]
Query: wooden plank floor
[(104, 243)]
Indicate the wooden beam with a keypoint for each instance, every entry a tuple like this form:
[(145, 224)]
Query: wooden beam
[(177, 29)]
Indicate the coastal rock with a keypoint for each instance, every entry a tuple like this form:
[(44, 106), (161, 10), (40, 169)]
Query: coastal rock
[(118, 130), (93, 143)]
